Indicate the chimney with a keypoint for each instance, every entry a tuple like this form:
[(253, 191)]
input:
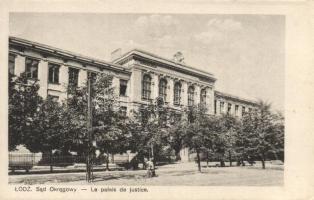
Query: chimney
[(116, 54)]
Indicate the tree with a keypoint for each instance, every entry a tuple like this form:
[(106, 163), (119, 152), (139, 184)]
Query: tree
[(149, 127), (23, 105), (108, 123), (264, 131), (197, 135), (176, 133), (225, 137), (46, 134)]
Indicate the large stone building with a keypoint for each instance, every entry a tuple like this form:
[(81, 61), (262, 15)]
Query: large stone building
[(139, 77)]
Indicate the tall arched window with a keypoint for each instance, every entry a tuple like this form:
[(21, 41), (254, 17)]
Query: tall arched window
[(191, 96), (146, 87), (203, 96), (163, 88), (177, 93)]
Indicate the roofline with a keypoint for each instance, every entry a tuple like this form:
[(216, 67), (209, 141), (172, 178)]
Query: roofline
[(67, 54), (173, 63), (230, 96)]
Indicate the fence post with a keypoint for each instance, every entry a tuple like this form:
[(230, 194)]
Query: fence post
[(51, 168)]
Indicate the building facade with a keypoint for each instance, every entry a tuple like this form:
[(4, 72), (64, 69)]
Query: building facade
[(139, 77)]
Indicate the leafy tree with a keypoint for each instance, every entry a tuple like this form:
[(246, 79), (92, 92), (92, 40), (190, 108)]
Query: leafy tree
[(264, 131), (197, 135), (47, 126), (23, 105), (46, 134), (109, 130), (176, 133), (149, 128), (225, 137)]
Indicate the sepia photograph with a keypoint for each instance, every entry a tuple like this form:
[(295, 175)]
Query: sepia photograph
[(146, 99)]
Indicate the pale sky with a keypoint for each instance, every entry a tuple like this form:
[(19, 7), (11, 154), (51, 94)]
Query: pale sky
[(244, 52)]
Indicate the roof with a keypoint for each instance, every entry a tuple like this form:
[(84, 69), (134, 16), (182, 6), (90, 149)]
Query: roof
[(66, 54), (233, 97), (177, 65)]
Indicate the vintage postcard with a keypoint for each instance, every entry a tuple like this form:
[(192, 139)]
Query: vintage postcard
[(176, 100)]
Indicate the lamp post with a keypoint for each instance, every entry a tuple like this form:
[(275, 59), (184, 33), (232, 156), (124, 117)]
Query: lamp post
[(89, 177)]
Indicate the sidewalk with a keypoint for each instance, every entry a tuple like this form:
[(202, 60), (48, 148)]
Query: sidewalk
[(179, 174), (69, 169)]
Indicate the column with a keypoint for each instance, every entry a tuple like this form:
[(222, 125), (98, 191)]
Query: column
[(197, 94), (19, 65), (116, 85), (217, 107), (170, 91), (43, 78), (63, 80), (135, 93), (184, 93), (209, 101), (226, 107), (155, 88), (82, 77)]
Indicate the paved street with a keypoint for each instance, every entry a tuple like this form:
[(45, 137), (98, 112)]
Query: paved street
[(173, 174)]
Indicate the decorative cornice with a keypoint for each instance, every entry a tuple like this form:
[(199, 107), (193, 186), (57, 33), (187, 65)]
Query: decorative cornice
[(65, 55), (234, 98), (144, 57)]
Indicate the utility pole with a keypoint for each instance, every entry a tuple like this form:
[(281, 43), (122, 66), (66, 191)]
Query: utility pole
[(89, 177)]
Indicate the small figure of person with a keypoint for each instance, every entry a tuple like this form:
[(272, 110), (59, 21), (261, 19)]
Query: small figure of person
[(150, 168)]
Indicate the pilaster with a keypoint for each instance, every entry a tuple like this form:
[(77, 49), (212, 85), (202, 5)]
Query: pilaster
[(116, 85), (19, 65), (43, 78), (197, 94), (184, 93), (63, 80), (82, 77), (170, 91), (155, 84)]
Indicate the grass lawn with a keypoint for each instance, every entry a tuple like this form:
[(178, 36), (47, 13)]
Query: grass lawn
[(179, 174)]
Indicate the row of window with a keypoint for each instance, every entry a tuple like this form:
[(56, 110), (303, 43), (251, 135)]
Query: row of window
[(229, 107), (31, 69), (162, 86)]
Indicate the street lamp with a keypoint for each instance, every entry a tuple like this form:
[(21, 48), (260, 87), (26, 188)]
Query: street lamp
[(89, 169)]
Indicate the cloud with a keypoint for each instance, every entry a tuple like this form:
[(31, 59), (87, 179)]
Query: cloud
[(218, 30), (224, 24), (156, 26)]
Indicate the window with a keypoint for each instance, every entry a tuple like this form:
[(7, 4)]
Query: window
[(73, 77), (177, 93), (53, 75), (123, 87), (163, 89), (229, 108), (243, 110), (11, 63), (191, 96), (53, 98), (236, 110), (146, 84), (222, 106), (215, 106), (31, 68), (203, 96)]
